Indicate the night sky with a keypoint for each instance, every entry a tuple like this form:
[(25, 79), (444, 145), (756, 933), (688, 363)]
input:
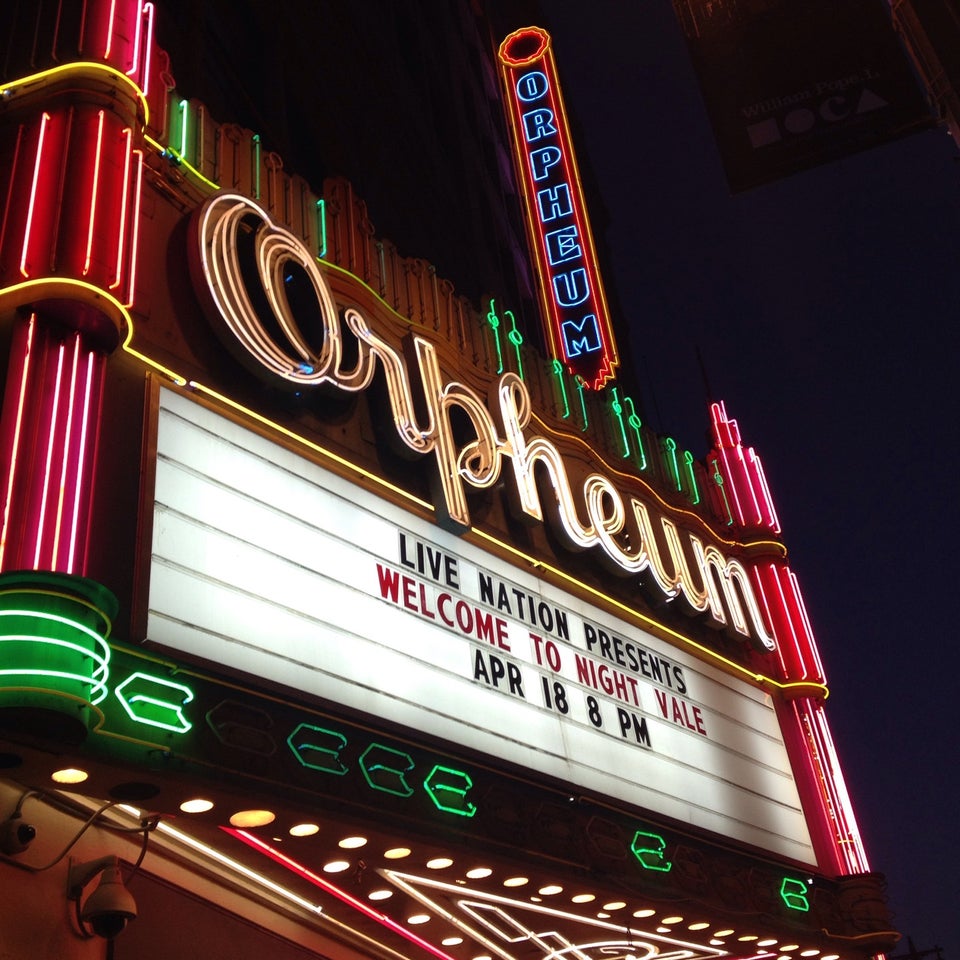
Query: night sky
[(825, 309)]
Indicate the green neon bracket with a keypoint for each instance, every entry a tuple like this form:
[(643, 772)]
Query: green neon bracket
[(183, 111), (494, 322), (256, 166), (447, 788), (516, 338), (322, 229), (633, 419), (581, 389), (617, 408), (384, 769), (671, 446), (648, 848), (318, 748), (155, 701), (694, 489), (718, 480), (794, 894), (561, 380)]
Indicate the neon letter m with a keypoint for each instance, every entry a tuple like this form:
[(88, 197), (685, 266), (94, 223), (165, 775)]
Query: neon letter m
[(583, 337)]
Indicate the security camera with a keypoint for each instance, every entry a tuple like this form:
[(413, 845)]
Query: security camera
[(110, 907), (16, 835)]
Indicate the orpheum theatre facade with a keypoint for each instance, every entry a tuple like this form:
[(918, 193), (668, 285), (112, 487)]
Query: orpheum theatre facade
[(335, 621)]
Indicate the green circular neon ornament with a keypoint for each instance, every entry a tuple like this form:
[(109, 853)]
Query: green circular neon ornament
[(54, 657)]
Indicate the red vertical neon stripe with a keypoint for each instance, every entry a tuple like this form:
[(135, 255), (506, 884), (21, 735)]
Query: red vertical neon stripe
[(25, 364), (135, 226), (94, 188), (31, 206), (48, 462), (124, 204)]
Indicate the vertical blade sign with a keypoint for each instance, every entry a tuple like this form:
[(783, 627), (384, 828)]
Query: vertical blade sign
[(574, 305)]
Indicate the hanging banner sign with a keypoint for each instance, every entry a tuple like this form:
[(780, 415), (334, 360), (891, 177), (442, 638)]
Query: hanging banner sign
[(790, 86), (574, 305)]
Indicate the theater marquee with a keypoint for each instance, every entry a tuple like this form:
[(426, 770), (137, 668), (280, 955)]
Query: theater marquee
[(274, 566)]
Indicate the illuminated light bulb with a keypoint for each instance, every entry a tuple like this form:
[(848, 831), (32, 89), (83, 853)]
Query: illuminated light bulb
[(397, 853), (69, 775), (304, 829), (770, 942), (336, 866), (618, 905), (702, 925), (352, 843), (644, 913), (439, 863), (516, 881), (747, 937), (252, 818), (672, 920), (722, 933), (418, 918), (812, 952), (550, 889), (451, 941), (583, 898), (382, 894), (478, 873), (789, 947), (196, 805)]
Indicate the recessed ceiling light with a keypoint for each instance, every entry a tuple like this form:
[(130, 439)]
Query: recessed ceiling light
[(748, 937), (583, 898), (304, 829), (439, 863), (672, 920), (789, 947), (418, 918), (722, 933), (478, 873), (397, 853), (644, 913), (702, 925), (515, 881), (336, 866), (550, 889), (353, 843), (196, 805), (812, 952), (382, 894), (451, 941), (771, 942), (619, 905), (69, 775), (252, 818), (603, 915)]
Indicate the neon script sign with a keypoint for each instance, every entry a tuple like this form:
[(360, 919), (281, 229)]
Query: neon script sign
[(574, 304), (588, 512)]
